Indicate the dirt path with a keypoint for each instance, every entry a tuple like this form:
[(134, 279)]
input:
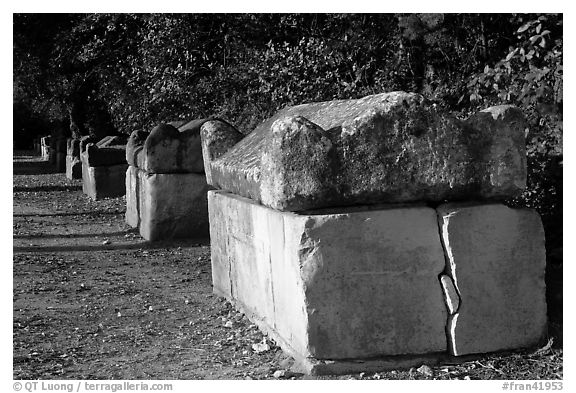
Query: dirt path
[(93, 300)]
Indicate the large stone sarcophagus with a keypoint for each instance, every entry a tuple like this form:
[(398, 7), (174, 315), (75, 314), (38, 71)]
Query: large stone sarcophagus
[(366, 234), (165, 183)]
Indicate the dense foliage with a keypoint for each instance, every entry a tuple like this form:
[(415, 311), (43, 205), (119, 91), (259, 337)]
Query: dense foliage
[(106, 73)]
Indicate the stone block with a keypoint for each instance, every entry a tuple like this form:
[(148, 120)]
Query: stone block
[(385, 148), (73, 147), (104, 156), (352, 285), (45, 153), (167, 206), (134, 147), (166, 186), (132, 216), (171, 150), (46, 150), (496, 259), (103, 181), (167, 149), (73, 167), (172, 205)]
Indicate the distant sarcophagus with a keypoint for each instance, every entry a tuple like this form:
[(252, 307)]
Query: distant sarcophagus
[(104, 167), (165, 182)]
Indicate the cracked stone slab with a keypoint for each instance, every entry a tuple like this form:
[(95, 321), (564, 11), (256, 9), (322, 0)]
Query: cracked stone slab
[(347, 285), (496, 259), (384, 148)]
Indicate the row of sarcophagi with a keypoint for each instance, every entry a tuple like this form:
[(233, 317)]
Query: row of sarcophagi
[(368, 231)]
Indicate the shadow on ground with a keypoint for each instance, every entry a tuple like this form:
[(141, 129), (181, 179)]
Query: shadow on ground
[(32, 167), (108, 247)]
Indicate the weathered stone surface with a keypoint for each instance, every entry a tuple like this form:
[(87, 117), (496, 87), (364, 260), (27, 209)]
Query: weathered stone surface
[(85, 140), (103, 181), (497, 261), (105, 156), (73, 147), (177, 123), (165, 184), (172, 205), (132, 215), (45, 147), (73, 167), (167, 149), (171, 150), (112, 140), (134, 147), (335, 286), (167, 206), (297, 164), (217, 138), (385, 148)]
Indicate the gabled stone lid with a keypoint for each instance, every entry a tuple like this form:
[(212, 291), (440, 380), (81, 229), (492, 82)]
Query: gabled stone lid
[(112, 140), (168, 150), (384, 148), (105, 156), (110, 150), (85, 140)]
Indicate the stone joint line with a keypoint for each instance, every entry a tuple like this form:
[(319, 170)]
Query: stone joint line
[(448, 281)]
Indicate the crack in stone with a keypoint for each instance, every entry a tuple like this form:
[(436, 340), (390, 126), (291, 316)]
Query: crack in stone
[(449, 282)]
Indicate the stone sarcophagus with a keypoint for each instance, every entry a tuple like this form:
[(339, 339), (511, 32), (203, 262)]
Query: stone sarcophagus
[(45, 150), (368, 234), (165, 182), (103, 166), (73, 162)]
